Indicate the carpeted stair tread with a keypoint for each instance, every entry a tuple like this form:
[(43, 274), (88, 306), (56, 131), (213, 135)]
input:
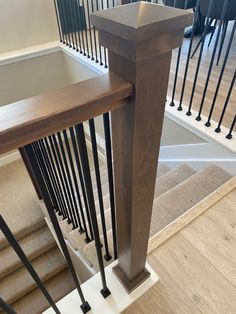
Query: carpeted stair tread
[(17, 284), (91, 254), (162, 170), (35, 302), (167, 179), (18, 201), (76, 239), (65, 227), (184, 196), (33, 245), (173, 178)]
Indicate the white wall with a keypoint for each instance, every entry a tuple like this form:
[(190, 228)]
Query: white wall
[(25, 23), (27, 78)]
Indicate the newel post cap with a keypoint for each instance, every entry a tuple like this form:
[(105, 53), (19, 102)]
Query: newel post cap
[(140, 22)]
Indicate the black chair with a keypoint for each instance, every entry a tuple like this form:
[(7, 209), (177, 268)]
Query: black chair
[(215, 14), (181, 4)]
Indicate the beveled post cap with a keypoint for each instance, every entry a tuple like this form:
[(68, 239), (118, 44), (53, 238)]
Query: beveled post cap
[(141, 22)]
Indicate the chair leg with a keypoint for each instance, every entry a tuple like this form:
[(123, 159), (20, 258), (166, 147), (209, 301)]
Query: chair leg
[(204, 34), (224, 30), (212, 34)]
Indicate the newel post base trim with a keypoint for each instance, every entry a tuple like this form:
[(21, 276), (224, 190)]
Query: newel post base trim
[(126, 283)]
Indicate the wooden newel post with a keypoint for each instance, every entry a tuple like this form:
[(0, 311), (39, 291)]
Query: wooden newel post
[(139, 38)]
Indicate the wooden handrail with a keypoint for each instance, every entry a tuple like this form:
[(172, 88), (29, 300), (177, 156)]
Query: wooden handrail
[(27, 120)]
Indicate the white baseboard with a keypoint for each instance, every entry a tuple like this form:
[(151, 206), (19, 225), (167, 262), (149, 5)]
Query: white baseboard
[(8, 158), (199, 128), (29, 52)]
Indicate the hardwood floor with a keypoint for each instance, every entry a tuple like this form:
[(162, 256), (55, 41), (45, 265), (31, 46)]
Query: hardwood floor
[(197, 266)]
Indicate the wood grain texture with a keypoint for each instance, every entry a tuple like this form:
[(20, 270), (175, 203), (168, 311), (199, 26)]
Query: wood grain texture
[(196, 266), (28, 120), (139, 46)]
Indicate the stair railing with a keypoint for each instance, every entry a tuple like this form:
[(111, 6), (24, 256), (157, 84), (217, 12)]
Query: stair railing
[(139, 38), (201, 84)]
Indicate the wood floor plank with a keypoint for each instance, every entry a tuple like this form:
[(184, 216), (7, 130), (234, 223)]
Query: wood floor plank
[(166, 297), (215, 244), (224, 215), (207, 287), (196, 266)]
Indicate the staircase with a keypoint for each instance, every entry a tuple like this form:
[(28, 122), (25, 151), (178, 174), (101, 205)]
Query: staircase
[(20, 208), (177, 190)]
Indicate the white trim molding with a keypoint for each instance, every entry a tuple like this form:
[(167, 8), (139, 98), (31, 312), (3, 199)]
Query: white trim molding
[(115, 303), (199, 128)]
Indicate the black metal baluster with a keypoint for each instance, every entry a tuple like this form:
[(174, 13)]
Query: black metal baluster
[(208, 123), (105, 58), (90, 31), (6, 307), (100, 47), (88, 183), (64, 180), (53, 173), (218, 129), (76, 154), (213, 57), (212, 33), (50, 174), (68, 181), (200, 56), (71, 24), (30, 172), (56, 169), (67, 26), (99, 186), (180, 108), (85, 306), (104, 49), (81, 229), (60, 179), (85, 23), (79, 26), (11, 239), (62, 19), (172, 103), (44, 173), (58, 21), (229, 135), (107, 132), (74, 24), (94, 36), (77, 188), (77, 31)]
